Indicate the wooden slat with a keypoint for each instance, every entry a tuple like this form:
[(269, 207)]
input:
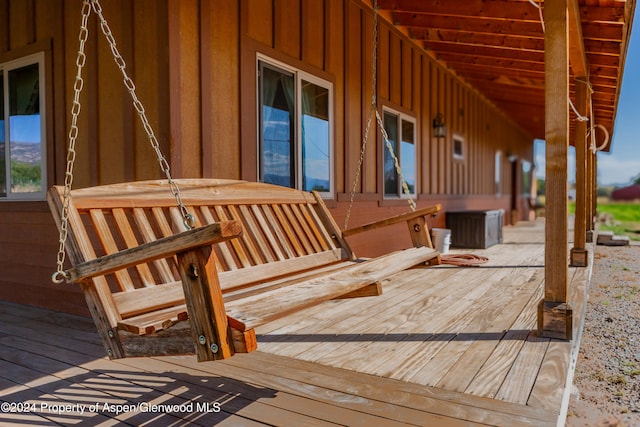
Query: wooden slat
[(431, 210), (222, 247), (259, 273), (250, 312), (142, 300), (161, 248), (195, 192), (235, 243), (266, 229), (154, 321), (247, 238), (309, 229), (279, 231), (146, 230), (320, 233), (331, 226), (108, 243), (300, 233), (283, 220), (131, 241), (256, 233), (161, 219)]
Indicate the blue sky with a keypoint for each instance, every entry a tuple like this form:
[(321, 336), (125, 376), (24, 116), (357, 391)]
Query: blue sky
[(622, 163)]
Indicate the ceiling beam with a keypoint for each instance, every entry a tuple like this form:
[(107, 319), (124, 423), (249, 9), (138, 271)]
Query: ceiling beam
[(577, 57)]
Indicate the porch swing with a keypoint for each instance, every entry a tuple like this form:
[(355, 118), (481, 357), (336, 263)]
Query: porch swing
[(251, 252)]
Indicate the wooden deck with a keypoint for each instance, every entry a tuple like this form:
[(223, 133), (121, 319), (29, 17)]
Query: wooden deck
[(442, 346)]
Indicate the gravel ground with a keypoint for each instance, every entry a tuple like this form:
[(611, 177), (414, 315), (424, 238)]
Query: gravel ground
[(607, 379)]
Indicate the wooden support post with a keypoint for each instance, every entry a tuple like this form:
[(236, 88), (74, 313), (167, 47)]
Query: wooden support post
[(554, 312), (590, 194), (579, 253), (208, 318), (419, 232), (594, 189)]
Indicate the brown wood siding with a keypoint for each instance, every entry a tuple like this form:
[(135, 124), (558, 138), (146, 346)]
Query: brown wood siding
[(184, 83), (193, 63), (335, 65), (353, 96), (220, 81)]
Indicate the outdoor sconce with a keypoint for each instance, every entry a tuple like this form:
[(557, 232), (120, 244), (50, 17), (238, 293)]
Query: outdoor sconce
[(439, 128)]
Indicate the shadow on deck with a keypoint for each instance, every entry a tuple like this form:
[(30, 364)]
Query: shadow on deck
[(442, 346)]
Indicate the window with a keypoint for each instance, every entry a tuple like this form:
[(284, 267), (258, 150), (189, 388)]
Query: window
[(22, 129), (498, 173), (527, 175), (458, 146), (295, 128), (399, 127)]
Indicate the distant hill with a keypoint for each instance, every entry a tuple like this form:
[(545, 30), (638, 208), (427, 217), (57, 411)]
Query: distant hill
[(27, 153)]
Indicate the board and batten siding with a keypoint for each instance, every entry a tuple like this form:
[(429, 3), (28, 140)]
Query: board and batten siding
[(194, 66)]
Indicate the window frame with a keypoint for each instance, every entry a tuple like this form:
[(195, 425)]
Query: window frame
[(498, 173), (5, 68), (400, 118), (460, 139), (299, 75)]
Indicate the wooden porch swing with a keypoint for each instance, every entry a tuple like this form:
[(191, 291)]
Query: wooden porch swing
[(251, 253)]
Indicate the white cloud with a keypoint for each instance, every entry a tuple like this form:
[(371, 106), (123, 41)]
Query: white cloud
[(615, 170)]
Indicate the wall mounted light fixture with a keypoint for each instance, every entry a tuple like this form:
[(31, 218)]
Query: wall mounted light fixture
[(439, 128)]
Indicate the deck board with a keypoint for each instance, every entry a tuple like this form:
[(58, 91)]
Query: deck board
[(441, 346)]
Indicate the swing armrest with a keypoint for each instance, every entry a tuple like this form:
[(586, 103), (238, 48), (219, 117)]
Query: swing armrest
[(161, 248), (430, 210)]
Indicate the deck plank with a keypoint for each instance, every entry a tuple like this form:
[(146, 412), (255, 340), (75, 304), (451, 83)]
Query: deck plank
[(472, 409), (464, 337)]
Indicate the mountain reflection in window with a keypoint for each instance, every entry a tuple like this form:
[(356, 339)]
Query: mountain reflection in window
[(277, 127), (315, 138)]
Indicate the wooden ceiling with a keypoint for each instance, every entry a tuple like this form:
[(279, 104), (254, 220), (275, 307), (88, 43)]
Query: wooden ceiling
[(497, 46)]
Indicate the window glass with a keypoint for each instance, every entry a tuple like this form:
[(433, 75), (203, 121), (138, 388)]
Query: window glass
[(390, 174), (400, 129), (315, 138), (527, 173), (3, 165), (295, 128), (408, 156), (24, 129), (458, 143), (22, 148), (498, 172), (277, 94)]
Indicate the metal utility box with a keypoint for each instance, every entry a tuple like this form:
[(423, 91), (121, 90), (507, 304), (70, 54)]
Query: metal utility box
[(475, 229)]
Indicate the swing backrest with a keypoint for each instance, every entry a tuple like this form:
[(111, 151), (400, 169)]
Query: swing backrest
[(285, 231)]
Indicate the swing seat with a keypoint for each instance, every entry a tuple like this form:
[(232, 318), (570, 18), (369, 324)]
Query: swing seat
[(258, 252)]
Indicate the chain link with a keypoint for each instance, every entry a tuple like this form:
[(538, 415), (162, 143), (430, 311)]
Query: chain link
[(60, 275), (188, 218), (87, 5), (374, 111)]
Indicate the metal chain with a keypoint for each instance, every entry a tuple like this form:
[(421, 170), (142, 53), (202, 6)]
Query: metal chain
[(188, 218), (60, 275), (374, 110), (396, 163)]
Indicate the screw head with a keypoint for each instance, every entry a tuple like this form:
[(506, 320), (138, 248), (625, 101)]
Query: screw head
[(202, 339), (214, 348), (193, 271)]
